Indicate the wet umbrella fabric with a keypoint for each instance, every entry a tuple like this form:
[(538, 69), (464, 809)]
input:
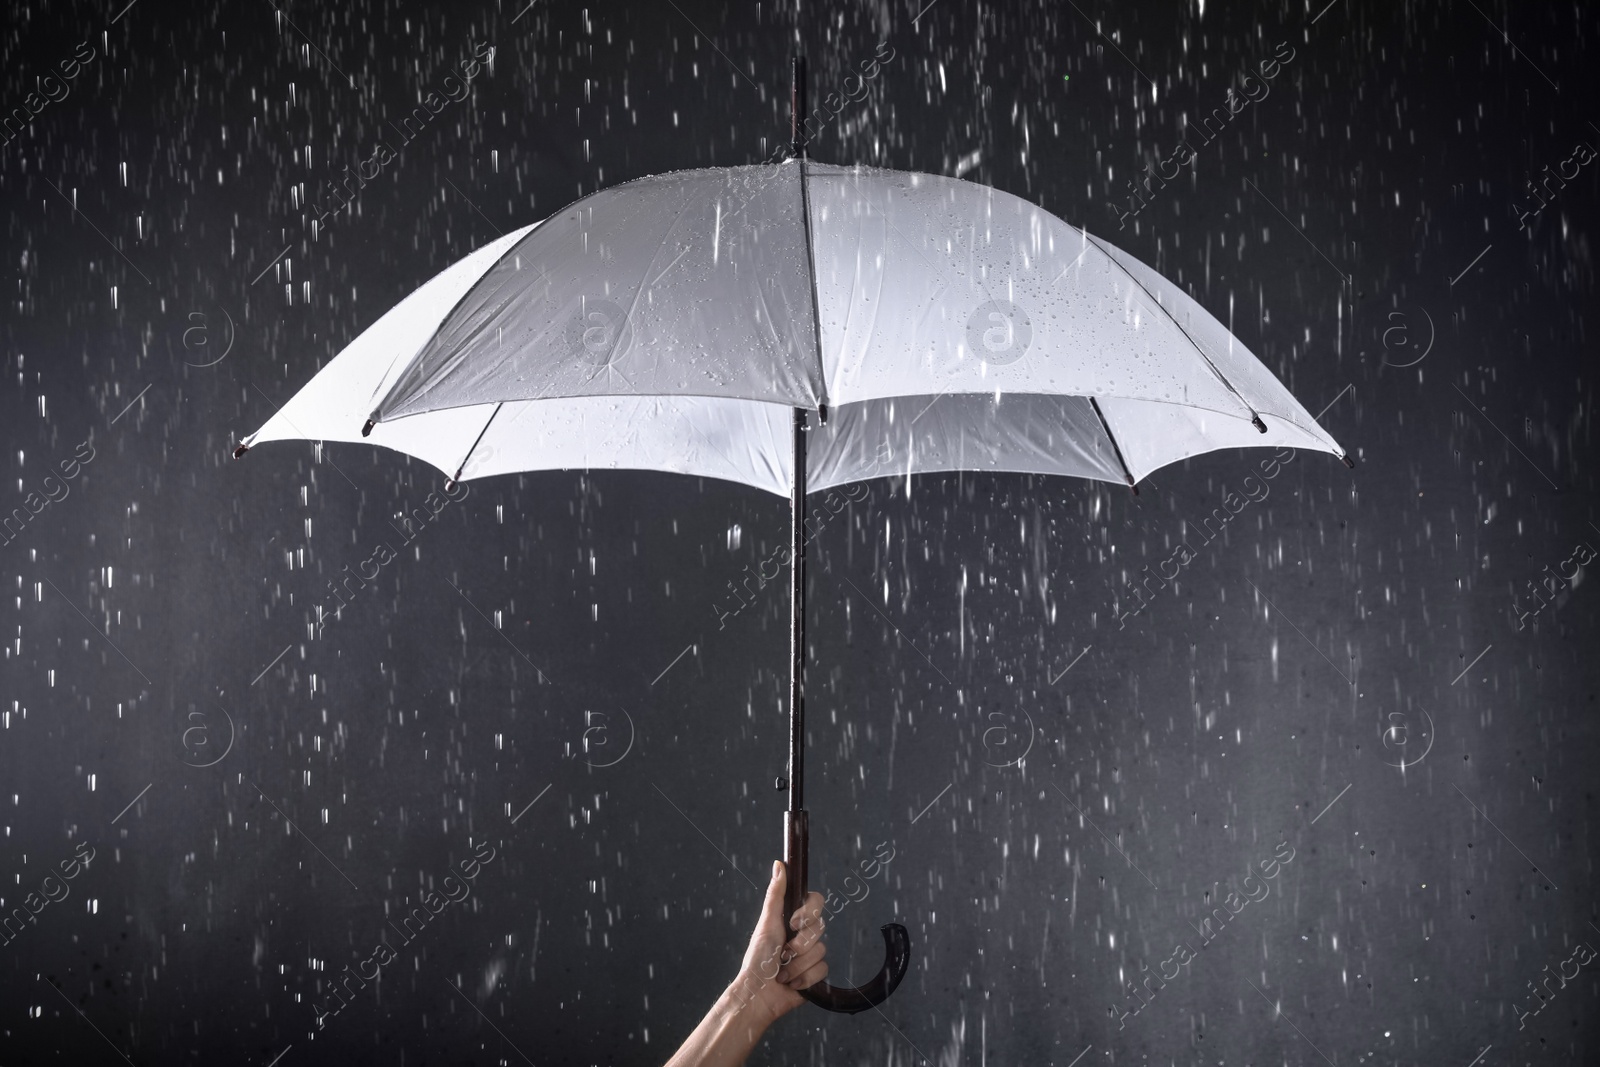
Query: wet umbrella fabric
[(672, 323), (689, 322)]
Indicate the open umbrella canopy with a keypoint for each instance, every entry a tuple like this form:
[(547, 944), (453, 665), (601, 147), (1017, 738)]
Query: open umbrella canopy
[(673, 323)]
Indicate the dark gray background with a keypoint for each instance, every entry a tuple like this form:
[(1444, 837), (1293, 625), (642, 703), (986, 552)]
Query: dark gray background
[(1322, 642)]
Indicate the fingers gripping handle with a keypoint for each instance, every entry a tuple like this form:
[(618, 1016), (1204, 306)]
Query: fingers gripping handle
[(896, 942)]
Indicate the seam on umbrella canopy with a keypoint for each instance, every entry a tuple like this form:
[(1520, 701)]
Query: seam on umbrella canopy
[(1174, 319)]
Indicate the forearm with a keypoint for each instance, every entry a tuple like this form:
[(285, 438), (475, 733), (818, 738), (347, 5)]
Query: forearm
[(727, 1035)]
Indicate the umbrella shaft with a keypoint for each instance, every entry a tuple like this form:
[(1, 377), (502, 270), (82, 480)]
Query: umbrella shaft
[(797, 621), (795, 828)]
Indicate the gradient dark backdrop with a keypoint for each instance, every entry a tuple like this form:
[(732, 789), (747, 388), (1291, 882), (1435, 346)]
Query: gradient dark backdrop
[(1363, 215)]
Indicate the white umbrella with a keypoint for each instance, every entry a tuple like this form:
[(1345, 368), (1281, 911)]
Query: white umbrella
[(689, 321), (675, 322)]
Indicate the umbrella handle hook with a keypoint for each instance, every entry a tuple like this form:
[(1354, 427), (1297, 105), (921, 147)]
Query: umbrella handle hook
[(896, 942)]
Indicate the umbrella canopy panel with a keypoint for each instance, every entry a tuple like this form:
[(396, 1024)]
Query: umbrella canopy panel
[(934, 285), (961, 432), (695, 283), (329, 406), (1111, 440)]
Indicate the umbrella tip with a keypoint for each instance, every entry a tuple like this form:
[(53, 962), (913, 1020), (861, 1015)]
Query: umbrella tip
[(822, 414), (1129, 479), (366, 431), (450, 484), (1255, 420), (1348, 462), (239, 452)]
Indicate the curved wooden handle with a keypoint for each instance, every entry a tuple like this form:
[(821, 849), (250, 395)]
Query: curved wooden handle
[(848, 1001), (896, 942)]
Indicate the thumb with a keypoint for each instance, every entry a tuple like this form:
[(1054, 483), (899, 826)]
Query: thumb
[(772, 905), (768, 965)]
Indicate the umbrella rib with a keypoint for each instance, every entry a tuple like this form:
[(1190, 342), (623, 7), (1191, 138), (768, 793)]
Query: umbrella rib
[(1115, 448), (1255, 416), (476, 441)]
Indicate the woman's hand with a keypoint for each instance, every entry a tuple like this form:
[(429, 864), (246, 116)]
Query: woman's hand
[(777, 966)]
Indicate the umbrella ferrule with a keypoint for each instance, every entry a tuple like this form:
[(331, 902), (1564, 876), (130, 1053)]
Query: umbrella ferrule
[(797, 108)]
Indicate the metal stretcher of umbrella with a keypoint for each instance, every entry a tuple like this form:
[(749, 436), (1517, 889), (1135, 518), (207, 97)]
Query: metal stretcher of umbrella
[(691, 322)]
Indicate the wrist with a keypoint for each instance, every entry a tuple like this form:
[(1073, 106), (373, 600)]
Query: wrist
[(742, 1001)]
